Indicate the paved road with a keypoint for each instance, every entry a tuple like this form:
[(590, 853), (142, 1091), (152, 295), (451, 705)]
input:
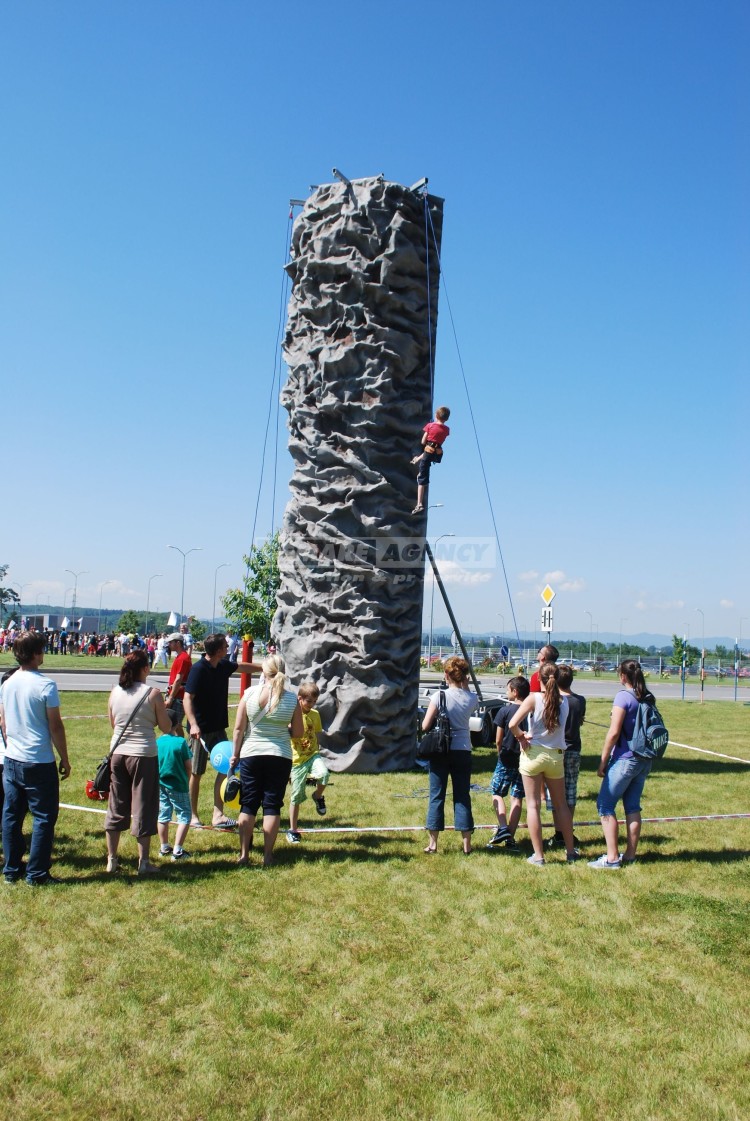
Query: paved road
[(94, 682), (591, 687)]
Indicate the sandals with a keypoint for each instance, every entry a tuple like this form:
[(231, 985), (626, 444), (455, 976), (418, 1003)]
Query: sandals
[(113, 864), (227, 823), (146, 868)]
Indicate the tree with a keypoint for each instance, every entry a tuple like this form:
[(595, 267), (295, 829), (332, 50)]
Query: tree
[(249, 609), (197, 629), (128, 622), (692, 656), (8, 597)]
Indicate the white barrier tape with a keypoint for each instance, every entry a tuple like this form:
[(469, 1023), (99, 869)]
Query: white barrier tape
[(421, 828), (705, 751)]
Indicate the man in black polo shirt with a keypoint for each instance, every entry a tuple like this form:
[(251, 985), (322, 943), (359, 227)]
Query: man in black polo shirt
[(207, 710)]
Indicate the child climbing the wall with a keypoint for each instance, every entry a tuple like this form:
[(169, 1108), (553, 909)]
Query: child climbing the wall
[(434, 436)]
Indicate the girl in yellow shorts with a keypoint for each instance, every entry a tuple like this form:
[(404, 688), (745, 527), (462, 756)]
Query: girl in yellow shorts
[(542, 748)]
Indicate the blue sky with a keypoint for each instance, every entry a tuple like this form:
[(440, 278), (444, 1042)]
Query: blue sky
[(595, 165)]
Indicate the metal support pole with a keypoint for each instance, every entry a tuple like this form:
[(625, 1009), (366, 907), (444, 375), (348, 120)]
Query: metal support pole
[(452, 618)]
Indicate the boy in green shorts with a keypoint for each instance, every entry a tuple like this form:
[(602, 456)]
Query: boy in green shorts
[(307, 762)]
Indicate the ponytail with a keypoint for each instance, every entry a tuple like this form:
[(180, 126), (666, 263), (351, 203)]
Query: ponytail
[(631, 670), (548, 677), (273, 671)]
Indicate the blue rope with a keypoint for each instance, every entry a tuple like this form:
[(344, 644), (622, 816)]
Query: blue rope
[(474, 426), (428, 217), (276, 378)]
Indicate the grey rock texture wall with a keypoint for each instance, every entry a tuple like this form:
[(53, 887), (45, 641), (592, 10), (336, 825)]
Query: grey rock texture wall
[(357, 344)]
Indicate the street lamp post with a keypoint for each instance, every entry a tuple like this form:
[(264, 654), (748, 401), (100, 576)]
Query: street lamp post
[(432, 598), (501, 617), (213, 614), (20, 595), (148, 598), (738, 654), (101, 591), (591, 629), (185, 554), (619, 645), (703, 650), (75, 575)]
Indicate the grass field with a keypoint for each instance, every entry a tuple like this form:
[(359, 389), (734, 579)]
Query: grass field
[(360, 979)]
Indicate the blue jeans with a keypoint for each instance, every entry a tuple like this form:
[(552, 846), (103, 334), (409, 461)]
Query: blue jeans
[(29, 788), (623, 779), (456, 766)]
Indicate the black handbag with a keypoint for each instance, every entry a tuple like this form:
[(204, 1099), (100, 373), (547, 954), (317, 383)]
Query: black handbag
[(103, 778), (437, 741)]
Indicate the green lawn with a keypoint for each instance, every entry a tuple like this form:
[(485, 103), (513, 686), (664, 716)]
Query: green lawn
[(359, 979)]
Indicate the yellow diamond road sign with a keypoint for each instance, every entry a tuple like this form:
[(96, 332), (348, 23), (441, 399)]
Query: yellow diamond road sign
[(548, 595)]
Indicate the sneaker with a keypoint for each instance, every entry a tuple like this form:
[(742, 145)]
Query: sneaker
[(512, 845), (165, 850), (43, 881), (602, 862), (10, 879), (556, 841), (180, 854), (498, 837), (536, 860), (573, 856), (320, 804), (293, 837), (627, 860)]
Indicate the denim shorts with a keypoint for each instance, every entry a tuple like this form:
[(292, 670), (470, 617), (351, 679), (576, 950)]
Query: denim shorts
[(623, 779), (506, 780), (176, 800)]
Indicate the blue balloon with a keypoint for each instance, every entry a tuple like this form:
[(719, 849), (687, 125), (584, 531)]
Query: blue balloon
[(220, 756)]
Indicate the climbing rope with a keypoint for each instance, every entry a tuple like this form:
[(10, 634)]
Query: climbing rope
[(473, 421), (283, 297), (428, 219)]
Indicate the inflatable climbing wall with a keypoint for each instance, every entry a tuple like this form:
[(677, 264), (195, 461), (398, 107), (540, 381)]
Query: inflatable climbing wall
[(359, 338)]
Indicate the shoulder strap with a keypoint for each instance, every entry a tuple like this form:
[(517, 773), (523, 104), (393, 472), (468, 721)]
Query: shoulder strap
[(144, 698)]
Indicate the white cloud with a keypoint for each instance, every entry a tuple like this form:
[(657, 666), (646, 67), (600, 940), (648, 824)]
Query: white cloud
[(659, 605), (577, 585), (527, 577), (554, 577), (453, 573), (726, 603)]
